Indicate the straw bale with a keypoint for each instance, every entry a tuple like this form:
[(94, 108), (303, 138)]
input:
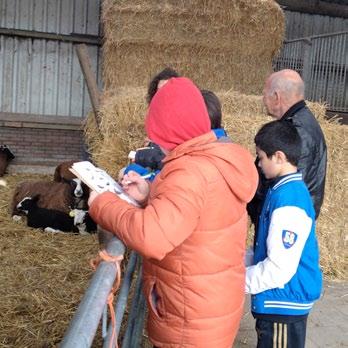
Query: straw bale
[(123, 129), (221, 44)]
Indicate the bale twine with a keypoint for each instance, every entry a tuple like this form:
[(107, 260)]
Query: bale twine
[(220, 44), (122, 127)]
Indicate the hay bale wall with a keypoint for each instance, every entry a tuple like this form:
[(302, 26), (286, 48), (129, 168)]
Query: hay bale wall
[(220, 44), (122, 127)]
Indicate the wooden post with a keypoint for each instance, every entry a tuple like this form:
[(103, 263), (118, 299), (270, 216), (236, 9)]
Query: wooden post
[(91, 82)]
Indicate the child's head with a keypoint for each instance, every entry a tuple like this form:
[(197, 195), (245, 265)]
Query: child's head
[(213, 105), (278, 147), (158, 81), (176, 114)]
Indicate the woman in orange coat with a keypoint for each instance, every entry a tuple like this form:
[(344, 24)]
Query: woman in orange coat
[(192, 227)]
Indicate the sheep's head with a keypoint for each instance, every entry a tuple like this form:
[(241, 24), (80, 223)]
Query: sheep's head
[(76, 186), (27, 203), (83, 221), (78, 191)]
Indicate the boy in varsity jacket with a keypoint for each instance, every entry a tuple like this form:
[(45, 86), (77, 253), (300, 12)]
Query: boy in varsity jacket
[(285, 278)]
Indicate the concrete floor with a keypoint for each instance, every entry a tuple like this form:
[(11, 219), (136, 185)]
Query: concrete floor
[(327, 323)]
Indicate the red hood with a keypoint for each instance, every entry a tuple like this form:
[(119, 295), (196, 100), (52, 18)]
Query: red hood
[(177, 113)]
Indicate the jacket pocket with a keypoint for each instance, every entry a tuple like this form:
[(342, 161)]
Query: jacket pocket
[(153, 300)]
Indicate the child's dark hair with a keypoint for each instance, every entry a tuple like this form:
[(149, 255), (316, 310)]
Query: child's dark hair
[(279, 136), (165, 74), (213, 105)]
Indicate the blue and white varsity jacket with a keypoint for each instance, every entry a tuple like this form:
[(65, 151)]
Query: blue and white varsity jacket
[(285, 277)]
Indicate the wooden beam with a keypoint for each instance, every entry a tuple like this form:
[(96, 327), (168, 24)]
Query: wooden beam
[(32, 34), (315, 7), (91, 82)]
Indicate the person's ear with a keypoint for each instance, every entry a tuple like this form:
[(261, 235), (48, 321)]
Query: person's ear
[(277, 97), (280, 157)]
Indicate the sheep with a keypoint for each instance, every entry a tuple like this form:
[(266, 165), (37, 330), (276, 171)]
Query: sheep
[(54, 220), (5, 157), (83, 221), (63, 174), (53, 195), (41, 217), (62, 171), (81, 191)]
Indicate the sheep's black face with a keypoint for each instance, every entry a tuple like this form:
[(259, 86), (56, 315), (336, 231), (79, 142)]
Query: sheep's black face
[(25, 204)]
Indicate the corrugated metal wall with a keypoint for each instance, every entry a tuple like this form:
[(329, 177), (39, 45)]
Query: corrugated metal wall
[(40, 76), (304, 24)]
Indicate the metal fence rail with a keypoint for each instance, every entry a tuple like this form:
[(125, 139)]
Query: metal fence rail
[(92, 308), (322, 61)]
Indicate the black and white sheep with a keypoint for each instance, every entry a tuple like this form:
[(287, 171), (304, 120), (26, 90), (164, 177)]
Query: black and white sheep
[(5, 157), (51, 220), (52, 195), (81, 191)]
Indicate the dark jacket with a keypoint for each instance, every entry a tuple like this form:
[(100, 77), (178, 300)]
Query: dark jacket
[(312, 163)]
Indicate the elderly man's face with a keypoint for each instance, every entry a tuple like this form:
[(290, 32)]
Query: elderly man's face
[(272, 101), (269, 99)]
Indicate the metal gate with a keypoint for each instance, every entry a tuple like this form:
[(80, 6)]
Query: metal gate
[(322, 62)]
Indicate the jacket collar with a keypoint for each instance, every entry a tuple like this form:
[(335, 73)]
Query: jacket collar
[(286, 178), (189, 145), (292, 111)]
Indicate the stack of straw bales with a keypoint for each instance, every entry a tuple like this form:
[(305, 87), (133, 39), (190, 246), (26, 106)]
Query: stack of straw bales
[(122, 127), (221, 44)]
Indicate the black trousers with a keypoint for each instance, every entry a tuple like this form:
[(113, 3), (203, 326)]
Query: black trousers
[(271, 334)]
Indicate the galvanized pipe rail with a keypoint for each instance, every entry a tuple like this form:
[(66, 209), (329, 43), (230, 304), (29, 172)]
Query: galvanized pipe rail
[(135, 323), (83, 327), (122, 298)]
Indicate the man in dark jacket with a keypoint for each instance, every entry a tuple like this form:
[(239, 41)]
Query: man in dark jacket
[(283, 97)]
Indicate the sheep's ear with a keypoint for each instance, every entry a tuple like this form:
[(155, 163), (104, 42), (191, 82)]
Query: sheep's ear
[(36, 198)]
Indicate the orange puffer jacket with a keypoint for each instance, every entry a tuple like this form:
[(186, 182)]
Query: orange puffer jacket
[(192, 235)]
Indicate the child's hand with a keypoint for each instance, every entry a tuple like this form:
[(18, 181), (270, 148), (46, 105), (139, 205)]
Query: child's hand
[(136, 186), (92, 196)]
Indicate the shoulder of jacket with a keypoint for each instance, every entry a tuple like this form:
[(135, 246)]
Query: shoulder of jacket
[(294, 193), (304, 115), (185, 165)]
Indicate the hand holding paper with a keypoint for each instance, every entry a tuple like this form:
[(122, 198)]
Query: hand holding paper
[(136, 186), (98, 180)]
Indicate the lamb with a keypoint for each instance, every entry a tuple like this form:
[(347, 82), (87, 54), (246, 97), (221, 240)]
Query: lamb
[(53, 195), (5, 157), (62, 171), (83, 221), (81, 191), (63, 174), (54, 220)]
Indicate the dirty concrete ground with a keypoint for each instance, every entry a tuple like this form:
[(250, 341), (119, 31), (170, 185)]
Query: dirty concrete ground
[(327, 323)]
